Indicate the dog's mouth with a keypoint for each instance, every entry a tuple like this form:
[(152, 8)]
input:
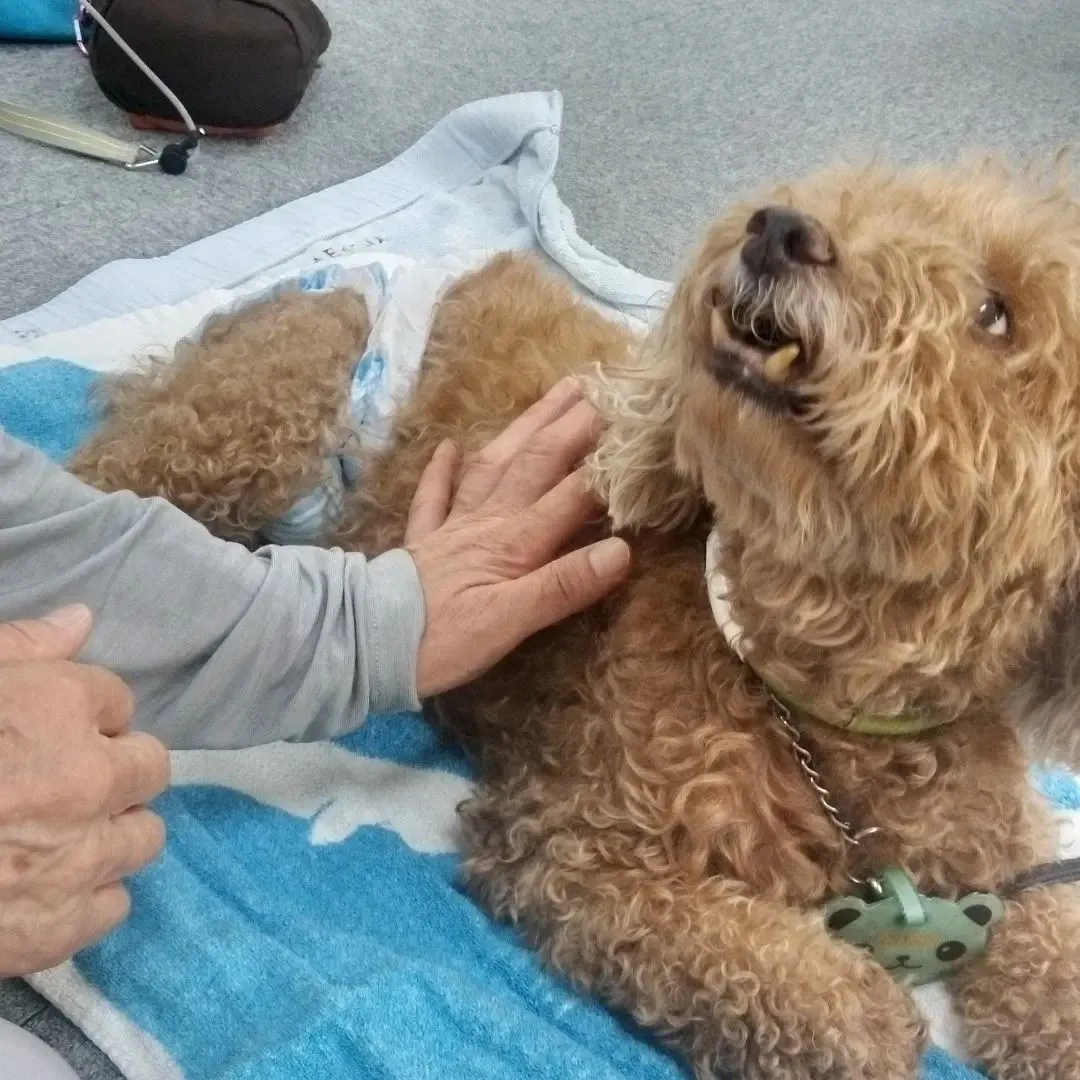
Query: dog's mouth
[(751, 354)]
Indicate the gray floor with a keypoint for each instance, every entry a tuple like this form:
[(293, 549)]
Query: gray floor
[(671, 107)]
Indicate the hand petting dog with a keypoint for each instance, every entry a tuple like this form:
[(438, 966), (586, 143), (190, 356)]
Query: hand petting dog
[(486, 548)]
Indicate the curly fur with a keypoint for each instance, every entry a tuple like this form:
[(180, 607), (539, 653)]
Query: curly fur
[(909, 539), (1029, 1037), (232, 429)]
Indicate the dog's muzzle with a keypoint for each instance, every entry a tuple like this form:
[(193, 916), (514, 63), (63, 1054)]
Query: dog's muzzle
[(760, 340)]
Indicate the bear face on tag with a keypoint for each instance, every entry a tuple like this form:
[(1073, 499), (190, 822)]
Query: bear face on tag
[(950, 935)]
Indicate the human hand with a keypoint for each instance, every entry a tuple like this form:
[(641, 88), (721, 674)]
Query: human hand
[(486, 553), (73, 781)]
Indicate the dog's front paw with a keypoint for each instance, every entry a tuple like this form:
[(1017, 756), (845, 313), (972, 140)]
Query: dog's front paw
[(1021, 1003), (871, 1029), (838, 1022), (1027, 1033)]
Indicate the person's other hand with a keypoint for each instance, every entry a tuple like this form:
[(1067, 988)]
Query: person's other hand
[(488, 552), (73, 784)]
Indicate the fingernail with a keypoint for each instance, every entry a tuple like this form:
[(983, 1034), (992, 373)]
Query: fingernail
[(610, 558), (567, 385), (72, 617)]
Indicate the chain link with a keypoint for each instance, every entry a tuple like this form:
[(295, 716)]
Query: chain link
[(805, 760)]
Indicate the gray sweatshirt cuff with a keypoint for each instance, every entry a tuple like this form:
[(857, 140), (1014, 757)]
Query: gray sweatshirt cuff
[(390, 625)]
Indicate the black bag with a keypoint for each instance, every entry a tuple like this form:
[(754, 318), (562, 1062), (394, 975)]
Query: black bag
[(239, 66)]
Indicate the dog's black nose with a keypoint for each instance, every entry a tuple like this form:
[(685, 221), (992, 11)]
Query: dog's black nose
[(903, 958), (780, 238)]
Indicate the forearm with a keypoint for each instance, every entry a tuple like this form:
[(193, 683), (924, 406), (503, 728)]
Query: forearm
[(222, 646)]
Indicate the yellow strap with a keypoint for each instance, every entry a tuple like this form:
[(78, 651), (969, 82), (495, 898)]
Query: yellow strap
[(53, 131)]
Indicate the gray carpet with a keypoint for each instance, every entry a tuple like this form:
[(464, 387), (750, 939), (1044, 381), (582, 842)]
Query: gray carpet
[(672, 106)]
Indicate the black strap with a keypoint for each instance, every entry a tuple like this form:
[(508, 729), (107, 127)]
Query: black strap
[(1062, 872)]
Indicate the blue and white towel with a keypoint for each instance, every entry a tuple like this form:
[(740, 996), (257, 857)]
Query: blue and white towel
[(306, 920)]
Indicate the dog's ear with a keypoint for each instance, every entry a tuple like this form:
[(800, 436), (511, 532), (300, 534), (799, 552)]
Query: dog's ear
[(634, 467)]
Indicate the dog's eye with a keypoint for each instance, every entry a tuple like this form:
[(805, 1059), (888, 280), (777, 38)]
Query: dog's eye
[(993, 316)]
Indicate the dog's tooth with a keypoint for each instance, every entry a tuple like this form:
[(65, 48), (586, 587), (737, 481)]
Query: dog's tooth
[(778, 364)]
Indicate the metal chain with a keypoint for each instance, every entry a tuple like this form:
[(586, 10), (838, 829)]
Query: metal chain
[(805, 760), (1062, 872)]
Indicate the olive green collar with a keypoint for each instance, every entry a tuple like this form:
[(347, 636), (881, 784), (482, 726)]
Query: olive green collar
[(857, 721), (898, 725)]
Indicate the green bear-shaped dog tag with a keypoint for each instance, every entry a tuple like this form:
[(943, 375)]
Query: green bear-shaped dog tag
[(916, 938)]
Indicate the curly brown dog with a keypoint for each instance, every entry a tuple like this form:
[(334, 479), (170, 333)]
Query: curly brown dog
[(870, 384)]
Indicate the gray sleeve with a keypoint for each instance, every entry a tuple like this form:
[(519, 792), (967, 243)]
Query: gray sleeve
[(222, 647)]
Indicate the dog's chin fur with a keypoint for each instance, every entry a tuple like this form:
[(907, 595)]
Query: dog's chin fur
[(900, 532)]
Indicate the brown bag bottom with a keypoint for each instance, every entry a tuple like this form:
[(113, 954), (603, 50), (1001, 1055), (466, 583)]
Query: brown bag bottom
[(156, 123)]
